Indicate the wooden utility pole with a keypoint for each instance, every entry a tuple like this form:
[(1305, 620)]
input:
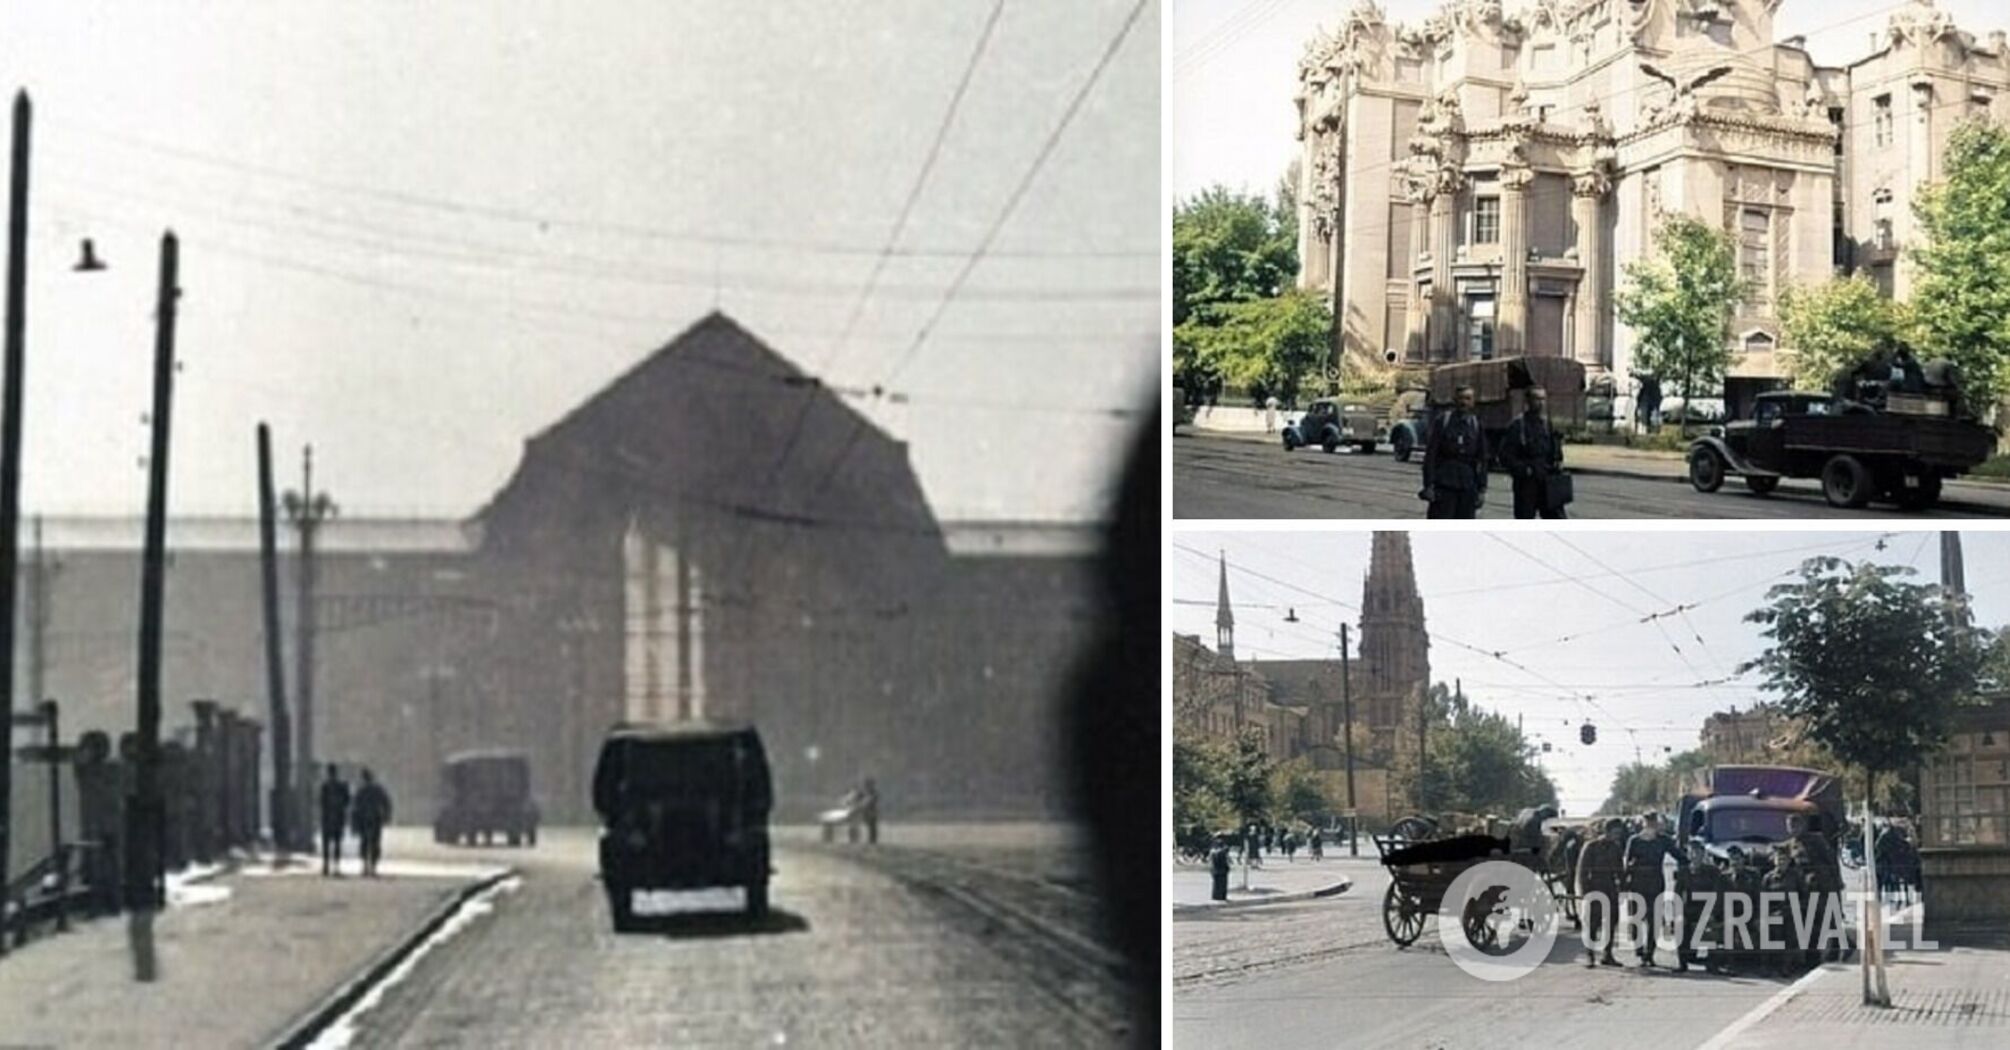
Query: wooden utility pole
[(283, 793), (146, 835), (10, 458), (1347, 715)]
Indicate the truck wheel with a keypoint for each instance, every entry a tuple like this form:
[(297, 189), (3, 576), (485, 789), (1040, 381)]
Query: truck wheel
[(1290, 443), (1761, 485), (1403, 445), (1706, 469), (1331, 442), (1846, 482)]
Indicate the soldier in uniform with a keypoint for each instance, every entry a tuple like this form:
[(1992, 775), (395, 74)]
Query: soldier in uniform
[(334, 817), (1532, 453), (1645, 853), (1701, 886), (1823, 871), (1598, 868), (1743, 880), (1455, 460), (369, 813), (1784, 883)]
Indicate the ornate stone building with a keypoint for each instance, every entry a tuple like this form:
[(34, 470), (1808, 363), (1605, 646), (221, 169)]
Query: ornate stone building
[(1472, 186)]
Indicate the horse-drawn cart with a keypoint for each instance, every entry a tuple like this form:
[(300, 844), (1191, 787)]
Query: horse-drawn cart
[(1422, 870)]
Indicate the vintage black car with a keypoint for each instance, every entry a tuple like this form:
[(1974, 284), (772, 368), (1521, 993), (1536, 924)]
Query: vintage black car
[(1330, 423), (682, 806), (1860, 453), (485, 794)]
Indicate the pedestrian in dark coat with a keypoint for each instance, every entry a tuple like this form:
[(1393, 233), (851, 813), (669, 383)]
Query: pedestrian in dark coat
[(1599, 865), (369, 813), (1455, 461), (1645, 874), (334, 818), (1217, 863), (1532, 453)]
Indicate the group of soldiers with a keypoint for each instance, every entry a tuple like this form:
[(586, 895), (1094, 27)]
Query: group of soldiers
[(1456, 455), (1615, 876)]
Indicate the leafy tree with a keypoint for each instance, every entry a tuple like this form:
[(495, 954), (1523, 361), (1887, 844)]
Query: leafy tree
[(1200, 782), (1679, 303), (1831, 326), (1275, 342), (1248, 778), (1228, 248), (1961, 297), (1298, 793), (1870, 665)]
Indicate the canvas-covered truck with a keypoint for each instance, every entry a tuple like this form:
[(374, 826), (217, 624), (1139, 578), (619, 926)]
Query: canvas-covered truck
[(1498, 391), (1748, 807), (1901, 450)]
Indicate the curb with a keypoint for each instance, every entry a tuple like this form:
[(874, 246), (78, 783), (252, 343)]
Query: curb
[(1283, 898), (304, 1030)]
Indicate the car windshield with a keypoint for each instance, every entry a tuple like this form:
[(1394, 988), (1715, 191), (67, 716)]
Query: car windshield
[(1748, 825)]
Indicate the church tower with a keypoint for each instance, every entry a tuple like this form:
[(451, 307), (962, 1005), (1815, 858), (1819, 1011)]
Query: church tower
[(1395, 651), (1224, 618)]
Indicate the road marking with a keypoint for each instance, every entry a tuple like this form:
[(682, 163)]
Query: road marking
[(1764, 1010)]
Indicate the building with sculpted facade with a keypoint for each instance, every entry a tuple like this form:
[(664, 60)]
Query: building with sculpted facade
[(1472, 187)]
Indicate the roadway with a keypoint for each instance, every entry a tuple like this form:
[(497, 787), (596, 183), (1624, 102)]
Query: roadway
[(1216, 476)]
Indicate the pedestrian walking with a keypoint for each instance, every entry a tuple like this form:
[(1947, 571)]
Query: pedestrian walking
[(1532, 454), (1318, 844), (1455, 461), (1599, 865), (1217, 863), (334, 817), (1646, 878), (868, 810), (1270, 414), (369, 813)]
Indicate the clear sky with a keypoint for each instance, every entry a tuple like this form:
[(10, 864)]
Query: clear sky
[(1505, 592), (415, 234), (1232, 65)]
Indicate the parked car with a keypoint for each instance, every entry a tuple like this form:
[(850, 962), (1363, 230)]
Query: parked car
[(682, 806), (1331, 423), (485, 794)]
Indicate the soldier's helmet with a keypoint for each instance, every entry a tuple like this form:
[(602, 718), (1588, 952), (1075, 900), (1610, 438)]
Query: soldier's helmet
[(1614, 825)]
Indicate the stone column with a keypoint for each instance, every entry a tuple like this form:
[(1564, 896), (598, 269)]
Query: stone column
[(1420, 246), (1587, 189), (1444, 241), (1513, 321)]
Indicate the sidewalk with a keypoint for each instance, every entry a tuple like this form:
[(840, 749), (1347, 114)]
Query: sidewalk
[(1954, 997), (1278, 881), (241, 955)]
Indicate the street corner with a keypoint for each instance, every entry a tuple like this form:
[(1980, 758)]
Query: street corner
[(1191, 891)]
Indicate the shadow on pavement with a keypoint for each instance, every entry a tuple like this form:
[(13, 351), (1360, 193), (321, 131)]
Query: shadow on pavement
[(702, 925)]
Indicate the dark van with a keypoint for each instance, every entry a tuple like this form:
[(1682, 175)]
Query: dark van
[(682, 806), (485, 794)]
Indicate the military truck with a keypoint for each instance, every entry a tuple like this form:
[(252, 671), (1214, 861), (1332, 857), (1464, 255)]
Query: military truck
[(1748, 807), (1895, 438), (1498, 390)]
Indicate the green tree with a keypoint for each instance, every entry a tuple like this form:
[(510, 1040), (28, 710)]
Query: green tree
[(1961, 294), (1298, 793), (1200, 783), (1831, 326), (1276, 342), (1870, 665), (1247, 782), (1228, 248), (1679, 303), (1638, 787)]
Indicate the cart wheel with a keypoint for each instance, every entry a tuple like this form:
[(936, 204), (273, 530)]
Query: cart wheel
[(1402, 916), (1413, 829)]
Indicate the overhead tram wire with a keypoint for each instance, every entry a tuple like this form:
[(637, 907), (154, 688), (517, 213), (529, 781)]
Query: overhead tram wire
[(865, 292), (1224, 36), (984, 246), (524, 217)]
